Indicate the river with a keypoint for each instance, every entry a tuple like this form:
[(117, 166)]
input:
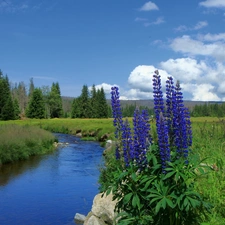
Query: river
[(50, 189)]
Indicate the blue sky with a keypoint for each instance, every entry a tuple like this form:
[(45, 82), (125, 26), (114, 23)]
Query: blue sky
[(115, 42)]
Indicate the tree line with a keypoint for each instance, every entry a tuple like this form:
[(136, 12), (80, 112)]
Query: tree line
[(46, 102), (209, 109)]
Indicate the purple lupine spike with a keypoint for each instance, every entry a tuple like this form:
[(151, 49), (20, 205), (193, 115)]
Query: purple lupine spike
[(127, 142), (142, 137), (169, 106), (161, 125), (180, 123), (117, 115)]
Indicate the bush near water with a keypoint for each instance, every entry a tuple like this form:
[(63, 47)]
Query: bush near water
[(21, 142)]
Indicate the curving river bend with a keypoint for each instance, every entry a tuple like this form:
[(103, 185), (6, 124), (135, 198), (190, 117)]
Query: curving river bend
[(50, 189)]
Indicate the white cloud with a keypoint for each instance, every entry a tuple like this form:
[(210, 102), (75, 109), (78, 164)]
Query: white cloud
[(186, 44), (201, 92), (106, 87), (148, 6), (212, 37), (200, 25), (184, 69), (158, 21), (181, 28), (141, 77), (213, 3)]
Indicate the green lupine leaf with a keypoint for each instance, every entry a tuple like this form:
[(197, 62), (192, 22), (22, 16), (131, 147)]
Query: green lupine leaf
[(155, 199), (164, 203), (170, 203), (134, 176), (168, 175), (127, 198), (158, 206)]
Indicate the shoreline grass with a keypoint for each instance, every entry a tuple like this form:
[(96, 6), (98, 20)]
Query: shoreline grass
[(21, 142)]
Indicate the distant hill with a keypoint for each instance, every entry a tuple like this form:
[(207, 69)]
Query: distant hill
[(150, 103), (67, 101)]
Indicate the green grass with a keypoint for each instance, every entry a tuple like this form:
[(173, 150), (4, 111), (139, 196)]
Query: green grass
[(208, 141), (21, 142)]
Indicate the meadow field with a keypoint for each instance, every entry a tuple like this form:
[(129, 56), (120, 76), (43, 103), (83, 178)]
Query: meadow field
[(208, 142)]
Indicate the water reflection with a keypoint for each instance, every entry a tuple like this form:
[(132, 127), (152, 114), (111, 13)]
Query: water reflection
[(11, 170)]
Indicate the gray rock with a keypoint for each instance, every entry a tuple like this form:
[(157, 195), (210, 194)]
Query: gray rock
[(79, 218)]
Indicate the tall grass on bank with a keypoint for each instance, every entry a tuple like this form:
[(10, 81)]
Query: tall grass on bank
[(21, 142)]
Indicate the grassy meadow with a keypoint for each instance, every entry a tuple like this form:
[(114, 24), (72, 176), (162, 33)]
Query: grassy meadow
[(208, 141)]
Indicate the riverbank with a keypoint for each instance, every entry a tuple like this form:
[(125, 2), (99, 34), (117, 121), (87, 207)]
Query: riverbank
[(21, 142)]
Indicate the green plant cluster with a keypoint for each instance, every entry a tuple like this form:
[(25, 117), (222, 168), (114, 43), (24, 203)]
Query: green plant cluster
[(21, 142)]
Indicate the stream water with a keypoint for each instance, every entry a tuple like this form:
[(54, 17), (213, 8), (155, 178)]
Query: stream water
[(50, 189)]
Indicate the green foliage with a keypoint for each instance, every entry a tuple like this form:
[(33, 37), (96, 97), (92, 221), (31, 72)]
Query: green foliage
[(88, 105), (21, 142), (150, 197), (209, 109), (55, 101), (36, 107), (6, 102)]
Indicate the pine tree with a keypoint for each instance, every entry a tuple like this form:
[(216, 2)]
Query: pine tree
[(102, 106), (76, 108), (36, 107), (55, 101), (94, 103), (16, 109), (85, 111), (31, 88), (6, 102)]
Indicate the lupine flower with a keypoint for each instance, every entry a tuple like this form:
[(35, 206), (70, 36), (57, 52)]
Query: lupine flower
[(169, 106), (141, 135), (180, 120), (161, 125), (128, 152), (117, 115)]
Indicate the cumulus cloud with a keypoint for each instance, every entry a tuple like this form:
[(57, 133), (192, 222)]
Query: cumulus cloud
[(106, 87), (149, 6), (201, 92), (186, 44), (141, 77), (213, 3), (184, 69)]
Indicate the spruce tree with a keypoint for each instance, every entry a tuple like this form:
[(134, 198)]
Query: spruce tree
[(85, 103), (36, 107), (102, 104), (94, 103), (55, 101), (76, 108), (6, 102)]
